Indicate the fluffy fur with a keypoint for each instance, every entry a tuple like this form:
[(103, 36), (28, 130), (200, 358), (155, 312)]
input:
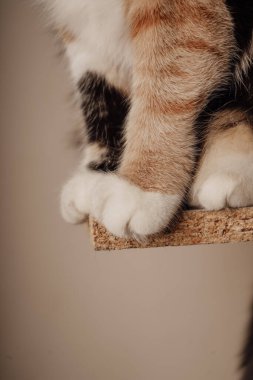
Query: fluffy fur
[(165, 89)]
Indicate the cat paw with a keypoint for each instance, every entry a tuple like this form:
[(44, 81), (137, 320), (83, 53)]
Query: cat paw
[(75, 197), (127, 211), (223, 190), (76, 193)]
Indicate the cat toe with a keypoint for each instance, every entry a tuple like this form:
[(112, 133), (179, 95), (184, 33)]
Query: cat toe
[(242, 195), (223, 190), (76, 196), (127, 211)]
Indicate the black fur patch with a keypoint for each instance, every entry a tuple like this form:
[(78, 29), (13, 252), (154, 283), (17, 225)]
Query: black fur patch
[(242, 13), (234, 95), (105, 109), (242, 95)]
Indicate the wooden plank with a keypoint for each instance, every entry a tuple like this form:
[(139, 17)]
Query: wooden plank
[(193, 227)]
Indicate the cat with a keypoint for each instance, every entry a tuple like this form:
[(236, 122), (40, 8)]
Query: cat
[(166, 91)]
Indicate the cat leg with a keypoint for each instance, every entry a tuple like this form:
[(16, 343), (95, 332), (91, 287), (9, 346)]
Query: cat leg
[(225, 174), (179, 57)]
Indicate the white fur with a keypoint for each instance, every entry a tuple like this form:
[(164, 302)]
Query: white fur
[(225, 176), (128, 211), (76, 196), (76, 193), (124, 209), (101, 37)]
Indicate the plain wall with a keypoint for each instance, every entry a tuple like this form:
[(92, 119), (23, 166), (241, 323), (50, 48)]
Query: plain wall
[(66, 311)]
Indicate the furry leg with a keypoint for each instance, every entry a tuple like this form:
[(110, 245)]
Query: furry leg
[(173, 75)]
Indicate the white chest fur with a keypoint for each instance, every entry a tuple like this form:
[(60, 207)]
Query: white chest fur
[(101, 38)]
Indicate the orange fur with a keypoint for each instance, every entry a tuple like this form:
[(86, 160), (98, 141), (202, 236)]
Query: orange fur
[(147, 18), (164, 108)]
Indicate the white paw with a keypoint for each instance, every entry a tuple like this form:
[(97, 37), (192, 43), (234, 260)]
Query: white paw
[(223, 190), (225, 175), (76, 196), (127, 211)]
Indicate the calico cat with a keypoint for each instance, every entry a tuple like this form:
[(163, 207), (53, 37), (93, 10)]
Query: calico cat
[(165, 87)]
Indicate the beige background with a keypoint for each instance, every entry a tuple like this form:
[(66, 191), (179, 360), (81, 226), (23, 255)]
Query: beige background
[(67, 312)]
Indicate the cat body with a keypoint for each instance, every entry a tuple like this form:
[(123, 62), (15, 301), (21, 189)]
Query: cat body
[(166, 92)]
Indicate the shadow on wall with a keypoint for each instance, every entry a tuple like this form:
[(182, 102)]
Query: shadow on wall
[(247, 356)]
